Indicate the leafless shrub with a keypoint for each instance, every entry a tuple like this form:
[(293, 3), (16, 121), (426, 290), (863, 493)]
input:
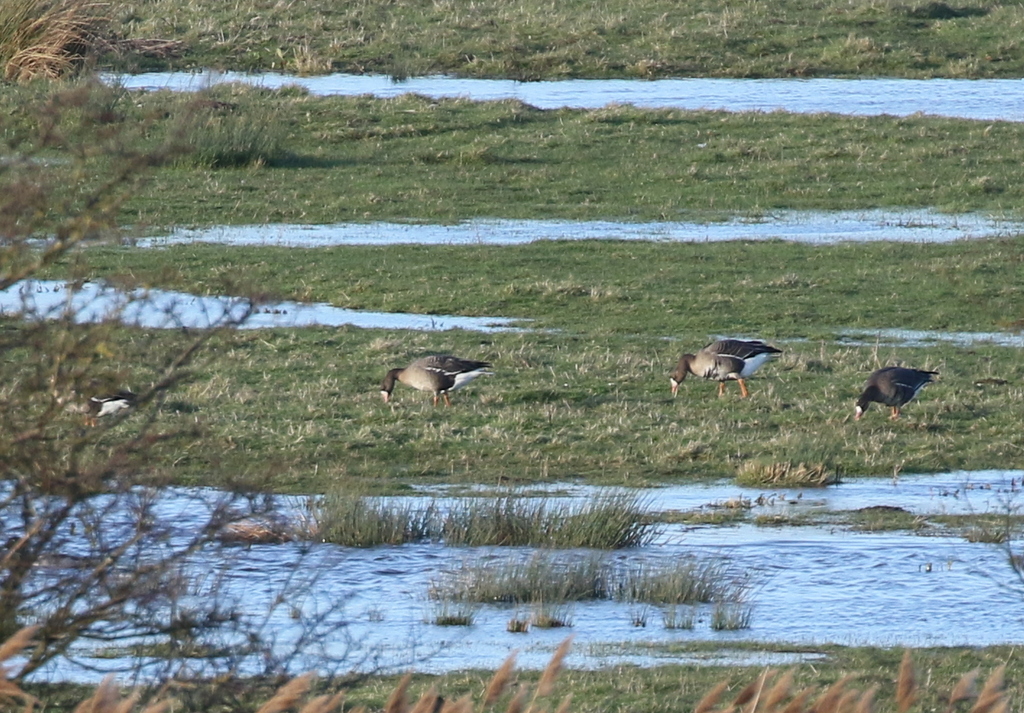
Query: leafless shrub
[(95, 549)]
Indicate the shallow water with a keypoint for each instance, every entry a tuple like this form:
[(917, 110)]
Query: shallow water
[(987, 99), (927, 338), (816, 228), (811, 585), (164, 309)]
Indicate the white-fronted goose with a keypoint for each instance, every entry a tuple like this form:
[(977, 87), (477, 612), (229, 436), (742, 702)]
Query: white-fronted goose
[(893, 386), (724, 360), (440, 374), (110, 404)]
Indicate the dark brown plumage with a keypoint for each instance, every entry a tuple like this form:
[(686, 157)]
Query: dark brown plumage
[(892, 386), (439, 374), (724, 360)]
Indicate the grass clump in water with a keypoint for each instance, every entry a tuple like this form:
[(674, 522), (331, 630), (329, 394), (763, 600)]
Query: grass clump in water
[(786, 474), (544, 577), (450, 613), (730, 616), (679, 582), (356, 521), (606, 522), (548, 577), (612, 521), (678, 617)]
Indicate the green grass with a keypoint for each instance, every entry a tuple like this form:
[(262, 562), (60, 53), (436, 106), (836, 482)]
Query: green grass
[(288, 157), (663, 689), (587, 395), (610, 521), (534, 39)]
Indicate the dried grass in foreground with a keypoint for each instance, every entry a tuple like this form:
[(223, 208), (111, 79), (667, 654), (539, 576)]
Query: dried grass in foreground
[(768, 693)]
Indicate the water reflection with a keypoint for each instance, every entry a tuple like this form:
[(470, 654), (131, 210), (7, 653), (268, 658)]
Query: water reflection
[(814, 585), (164, 309), (815, 228), (927, 338), (986, 99)]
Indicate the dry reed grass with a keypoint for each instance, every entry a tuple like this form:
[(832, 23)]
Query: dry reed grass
[(786, 474), (46, 38), (768, 693)]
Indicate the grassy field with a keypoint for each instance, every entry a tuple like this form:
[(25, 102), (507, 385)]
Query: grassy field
[(534, 39), (935, 674), (584, 392), (265, 156), (321, 160)]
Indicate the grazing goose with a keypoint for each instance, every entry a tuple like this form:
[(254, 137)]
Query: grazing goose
[(892, 386), (726, 359), (100, 406), (440, 373)]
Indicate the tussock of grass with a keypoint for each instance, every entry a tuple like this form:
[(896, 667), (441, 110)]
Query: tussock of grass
[(548, 577), (355, 521), (786, 474), (450, 613), (679, 582), (678, 617), (224, 129), (46, 38), (610, 521), (551, 616), (543, 577), (730, 616)]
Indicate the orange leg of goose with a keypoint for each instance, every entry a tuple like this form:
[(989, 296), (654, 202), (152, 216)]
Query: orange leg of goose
[(721, 389), (743, 388), (447, 401), (435, 400), (895, 413)]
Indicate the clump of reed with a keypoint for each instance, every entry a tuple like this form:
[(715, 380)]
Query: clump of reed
[(786, 474), (730, 616), (449, 613), (543, 577), (550, 578), (611, 521), (678, 617), (47, 38), (679, 582), (606, 522), (355, 521)]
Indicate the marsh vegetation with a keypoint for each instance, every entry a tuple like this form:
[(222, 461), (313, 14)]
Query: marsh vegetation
[(608, 521), (584, 395)]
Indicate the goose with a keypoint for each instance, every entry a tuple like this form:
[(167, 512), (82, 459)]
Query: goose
[(724, 360), (439, 373), (109, 404), (893, 386)]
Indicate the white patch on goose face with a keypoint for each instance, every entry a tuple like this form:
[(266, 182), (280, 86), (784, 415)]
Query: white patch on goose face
[(754, 363)]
